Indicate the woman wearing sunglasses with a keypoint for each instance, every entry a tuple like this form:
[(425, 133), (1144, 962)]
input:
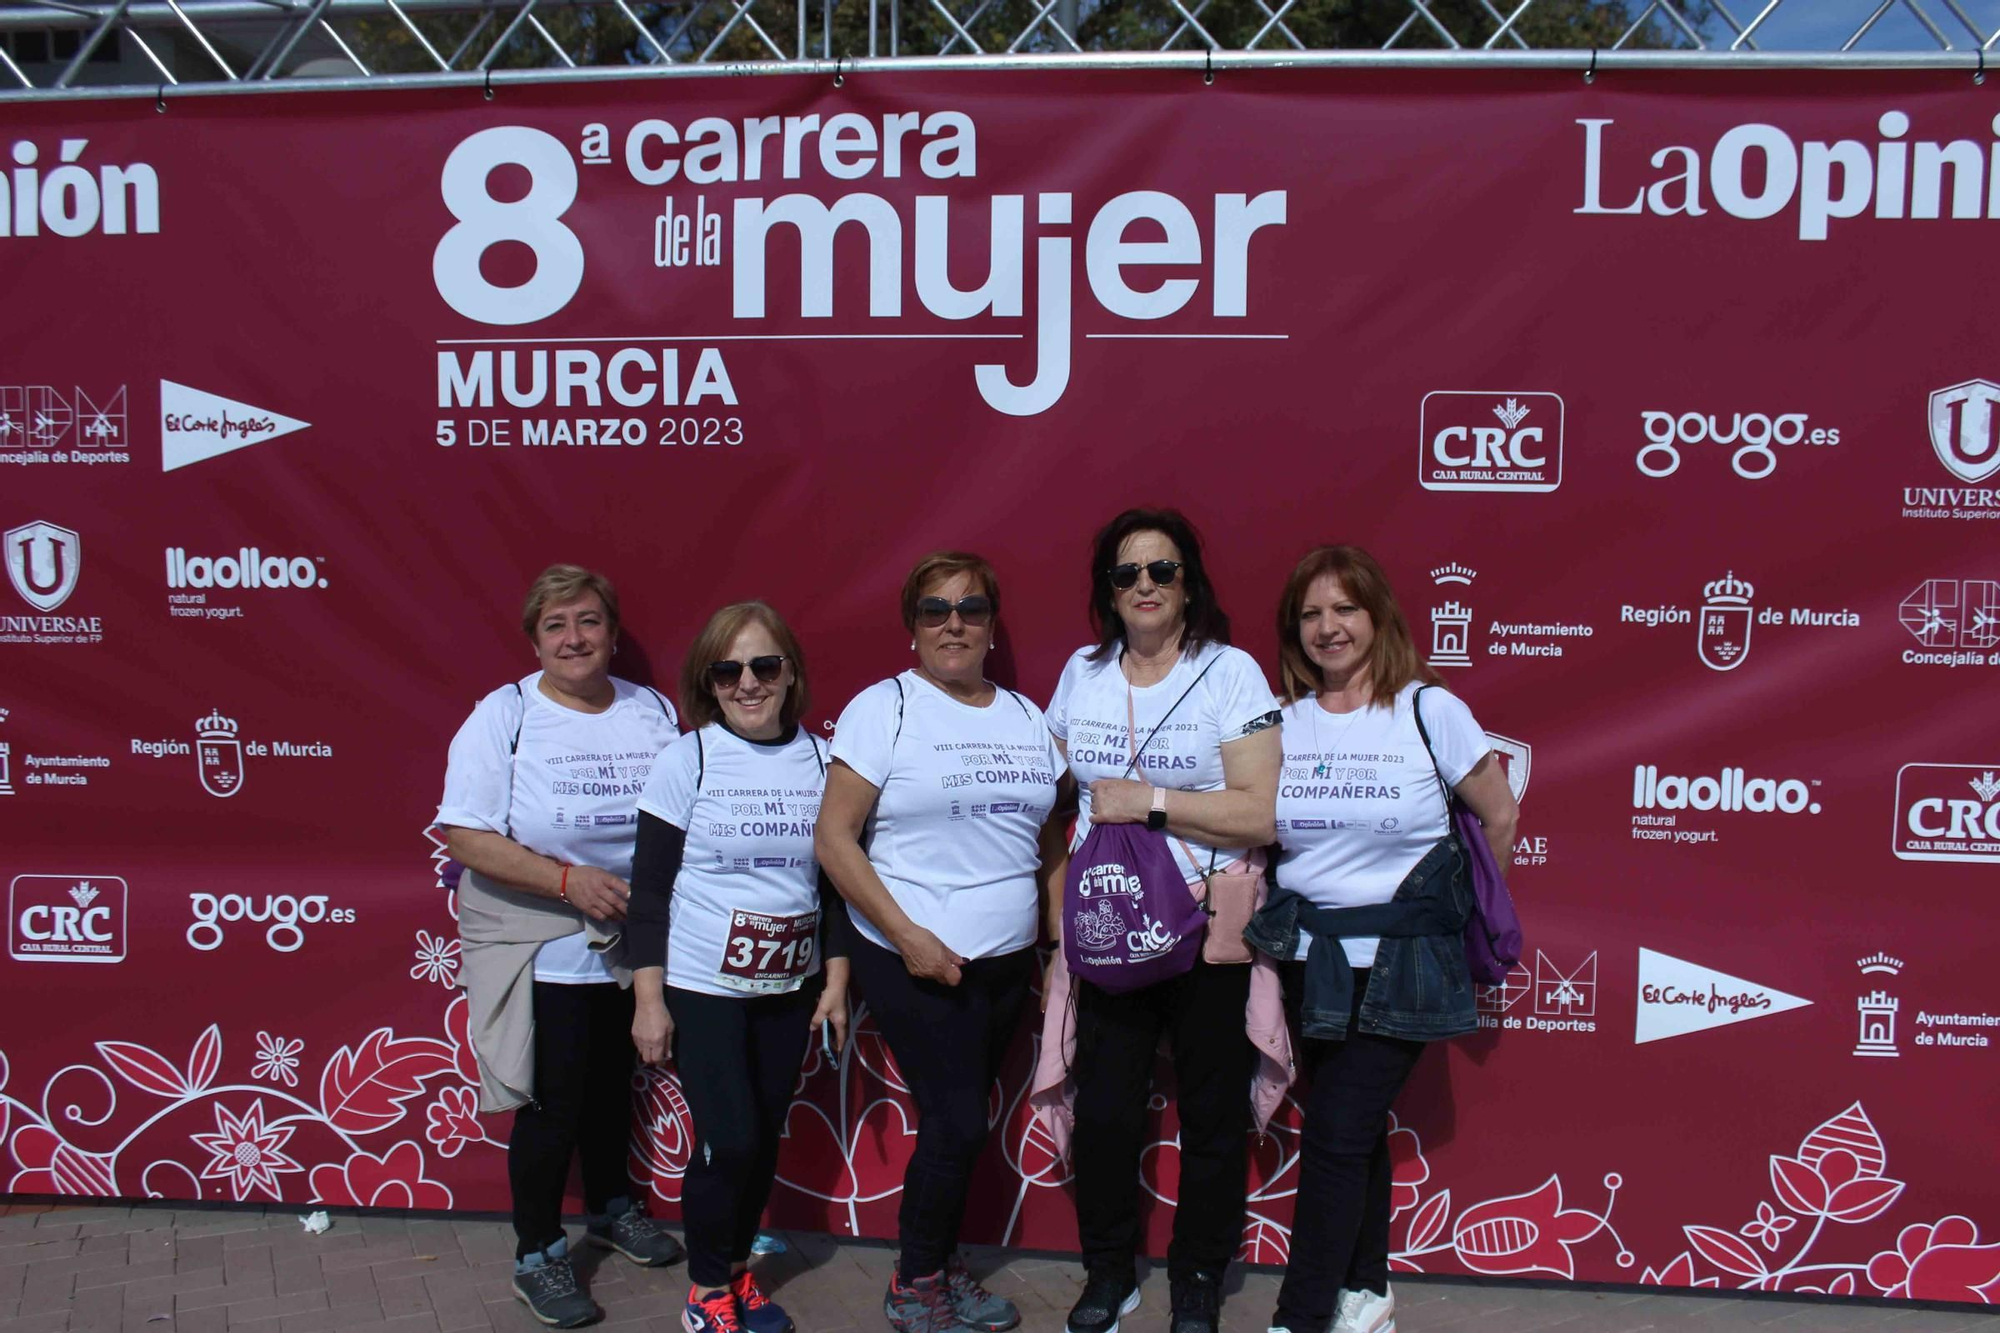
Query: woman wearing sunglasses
[(935, 809), (546, 842), (1162, 684), (738, 950)]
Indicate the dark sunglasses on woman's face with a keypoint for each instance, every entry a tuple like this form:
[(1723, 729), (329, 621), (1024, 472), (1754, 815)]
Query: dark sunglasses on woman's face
[(1161, 572), (725, 675), (975, 610)]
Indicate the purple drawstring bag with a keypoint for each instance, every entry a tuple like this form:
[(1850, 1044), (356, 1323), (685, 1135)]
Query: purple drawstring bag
[(1493, 931), (1128, 917)]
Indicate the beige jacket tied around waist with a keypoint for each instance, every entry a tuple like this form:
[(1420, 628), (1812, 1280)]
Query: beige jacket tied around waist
[(501, 929)]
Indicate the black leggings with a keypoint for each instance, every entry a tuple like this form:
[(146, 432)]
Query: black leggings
[(738, 1058), (948, 1042), (1340, 1221), (583, 1103), (1117, 1049)]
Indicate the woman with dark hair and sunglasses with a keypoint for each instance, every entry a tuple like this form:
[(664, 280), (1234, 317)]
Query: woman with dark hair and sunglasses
[(739, 951), (1372, 741), (933, 828), (1162, 683)]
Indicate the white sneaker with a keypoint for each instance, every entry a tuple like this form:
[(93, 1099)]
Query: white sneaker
[(1365, 1312)]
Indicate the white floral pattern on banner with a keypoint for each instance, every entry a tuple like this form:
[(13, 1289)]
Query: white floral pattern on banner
[(246, 1153), (137, 1121), (278, 1059), (437, 959), (454, 1121)]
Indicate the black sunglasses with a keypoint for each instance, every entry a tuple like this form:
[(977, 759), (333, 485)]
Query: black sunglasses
[(725, 675), (975, 610), (1161, 572)]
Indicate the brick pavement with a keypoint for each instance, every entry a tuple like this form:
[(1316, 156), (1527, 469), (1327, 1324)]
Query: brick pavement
[(103, 1269)]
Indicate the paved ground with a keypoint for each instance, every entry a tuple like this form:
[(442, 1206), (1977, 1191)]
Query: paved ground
[(152, 1270)]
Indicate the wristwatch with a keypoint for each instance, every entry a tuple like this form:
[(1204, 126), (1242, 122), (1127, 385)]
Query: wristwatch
[(1156, 818)]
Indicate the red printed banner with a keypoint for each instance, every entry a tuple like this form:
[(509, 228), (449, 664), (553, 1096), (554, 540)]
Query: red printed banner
[(1671, 402)]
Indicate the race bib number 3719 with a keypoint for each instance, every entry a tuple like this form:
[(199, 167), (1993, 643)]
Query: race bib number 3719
[(765, 954)]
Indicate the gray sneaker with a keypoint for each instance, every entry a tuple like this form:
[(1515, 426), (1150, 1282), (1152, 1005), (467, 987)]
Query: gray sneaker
[(550, 1292), (921, 1306), (636, 1236), (975, 1306)]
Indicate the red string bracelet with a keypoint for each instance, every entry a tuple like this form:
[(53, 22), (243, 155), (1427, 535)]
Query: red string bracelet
[(562, 889)]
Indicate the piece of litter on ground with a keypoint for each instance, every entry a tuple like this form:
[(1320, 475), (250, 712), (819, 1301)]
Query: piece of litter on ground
[(159, 1319), (766, 1243), (316, 1222)]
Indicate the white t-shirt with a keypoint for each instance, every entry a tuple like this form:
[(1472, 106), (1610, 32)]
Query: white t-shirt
[(1088, 714), (569, 791), (744, 916), (964, 793), (1358, 802)]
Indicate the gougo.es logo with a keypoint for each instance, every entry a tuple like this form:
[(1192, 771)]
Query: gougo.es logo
[(283, 916)]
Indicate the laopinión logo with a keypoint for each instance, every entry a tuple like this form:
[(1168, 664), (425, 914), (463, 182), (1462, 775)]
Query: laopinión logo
[(283, 916), (1956, 620), (1499, 441), (40, 423), (1964, 421), (1452, 625), (66, 918), (1948, 812)]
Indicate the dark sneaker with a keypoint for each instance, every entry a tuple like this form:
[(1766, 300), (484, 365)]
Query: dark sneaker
[(1109, 1293), (920, 1306), (711, 1314), (637, 1237), (550, 1292), (975, 1306), (760, 1313), (1197, 1303)]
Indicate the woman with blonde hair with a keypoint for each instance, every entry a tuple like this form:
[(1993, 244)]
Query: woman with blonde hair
[(546, 839)]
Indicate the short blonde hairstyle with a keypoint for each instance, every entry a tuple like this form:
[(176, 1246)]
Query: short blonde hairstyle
[(699, 706), (939, 566), (565, 583)]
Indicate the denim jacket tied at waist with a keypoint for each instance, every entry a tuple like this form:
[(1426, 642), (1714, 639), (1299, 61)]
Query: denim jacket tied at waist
[(1419, 988)]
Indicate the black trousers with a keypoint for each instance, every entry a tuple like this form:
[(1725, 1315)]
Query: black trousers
[(583, 1103), (1117, 1041), (948, 1042), (1340, 1220), (738, 1058)]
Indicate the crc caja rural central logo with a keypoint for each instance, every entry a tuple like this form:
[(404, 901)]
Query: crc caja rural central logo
[(1477, 441), (66, 918), (1948, 812)]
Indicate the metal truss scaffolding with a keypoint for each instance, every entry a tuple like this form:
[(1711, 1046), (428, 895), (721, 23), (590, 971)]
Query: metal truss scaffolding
[(96, 48)]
